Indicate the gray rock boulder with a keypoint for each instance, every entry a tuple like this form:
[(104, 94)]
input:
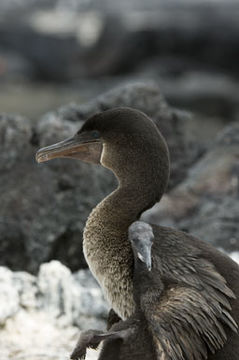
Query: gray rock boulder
[(204, 92), (16, 157), (217, 223), (62, 194)]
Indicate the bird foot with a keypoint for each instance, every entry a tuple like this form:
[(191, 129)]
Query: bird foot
[(92, 339), (88, 339)]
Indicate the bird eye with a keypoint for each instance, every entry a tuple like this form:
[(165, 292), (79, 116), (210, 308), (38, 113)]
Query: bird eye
[(95, 134)]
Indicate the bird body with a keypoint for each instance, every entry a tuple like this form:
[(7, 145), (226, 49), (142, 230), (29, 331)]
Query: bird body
[(185, 268), (193, 306), (131, 338)]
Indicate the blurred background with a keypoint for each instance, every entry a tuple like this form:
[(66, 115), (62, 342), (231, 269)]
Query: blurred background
[(55, 51), (60, 62)]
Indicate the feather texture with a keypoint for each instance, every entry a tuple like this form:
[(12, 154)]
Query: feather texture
[(187, 319)]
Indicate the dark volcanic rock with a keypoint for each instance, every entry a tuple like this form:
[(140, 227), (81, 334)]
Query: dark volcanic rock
[(216, 222), (15, 159), (206, 203), (44, 207), (210, 93)]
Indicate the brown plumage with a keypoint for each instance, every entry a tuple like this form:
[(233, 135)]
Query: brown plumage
[(186, 306), (191, 318), (195, 305), (130, 339)]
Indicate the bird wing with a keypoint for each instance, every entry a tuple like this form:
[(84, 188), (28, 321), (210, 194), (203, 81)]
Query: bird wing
[(184, 324), (189, 316), (186, 321)]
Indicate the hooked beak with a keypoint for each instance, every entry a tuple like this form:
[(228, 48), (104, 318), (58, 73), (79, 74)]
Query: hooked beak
[(81, 146), (145, 257)]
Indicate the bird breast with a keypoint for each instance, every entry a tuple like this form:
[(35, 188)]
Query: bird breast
[(110, 259)]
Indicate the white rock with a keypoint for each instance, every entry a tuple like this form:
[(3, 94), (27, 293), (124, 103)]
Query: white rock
[(34, 335), (38, 313), (73, 299), (88, 299), (55, 286), (27, 289), (9, 299)]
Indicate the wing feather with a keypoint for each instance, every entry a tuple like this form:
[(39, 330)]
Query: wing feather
[(183, 324), (187, 316), (187, 321)]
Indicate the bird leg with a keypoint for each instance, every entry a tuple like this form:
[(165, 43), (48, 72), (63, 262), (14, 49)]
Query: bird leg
[(88, 339)]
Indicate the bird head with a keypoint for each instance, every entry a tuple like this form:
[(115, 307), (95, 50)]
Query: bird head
[(124, 140), (141, 237)]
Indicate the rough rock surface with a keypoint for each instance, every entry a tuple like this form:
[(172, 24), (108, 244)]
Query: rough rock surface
[(72, 299), (9, 298), (41, 316), (44, 207), (206, 202), (34, 336)]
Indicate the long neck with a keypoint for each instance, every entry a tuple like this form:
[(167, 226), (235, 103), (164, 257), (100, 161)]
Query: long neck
[(109, 221), (142, 280), (142, 170), (147, 286), (125, 205), (140, 187), (107, 248), (106, 245)]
